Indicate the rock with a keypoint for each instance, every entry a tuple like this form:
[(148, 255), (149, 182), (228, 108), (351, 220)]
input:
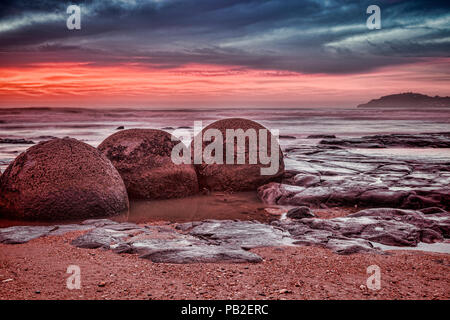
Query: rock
[(437, 221), (434, 210), (15, 141), (305, 180), (99, 238), (143, 158), (245, 234), (356, 232), (61, 179), (42, 138), (23, 234), (321, 136), (163, 245), (272, 192), (235, 177), (230, 241), (381, 197), (327, 177), (424, 140), (350, 246), (300, 213), (350, 194), (284, 291), (202, 254)]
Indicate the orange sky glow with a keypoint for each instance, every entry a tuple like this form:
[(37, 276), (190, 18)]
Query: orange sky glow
[(134, 85)]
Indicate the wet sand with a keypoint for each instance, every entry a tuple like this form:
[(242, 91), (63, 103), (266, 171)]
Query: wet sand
[(37, 270)]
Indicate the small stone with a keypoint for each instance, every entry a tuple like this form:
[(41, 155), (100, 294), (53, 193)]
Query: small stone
[(284, 291), (300, 213), (102, 284)]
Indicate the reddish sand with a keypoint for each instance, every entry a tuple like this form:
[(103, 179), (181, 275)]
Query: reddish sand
[(38, 271)]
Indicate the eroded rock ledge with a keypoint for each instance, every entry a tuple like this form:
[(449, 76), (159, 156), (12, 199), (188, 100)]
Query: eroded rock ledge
[(230, 241), (429, 140), (340, 177)]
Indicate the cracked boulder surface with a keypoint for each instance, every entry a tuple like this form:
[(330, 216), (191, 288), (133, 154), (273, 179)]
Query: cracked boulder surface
[(143, 159), (322, 176), (230, 240), (61, 179), (235, 177)]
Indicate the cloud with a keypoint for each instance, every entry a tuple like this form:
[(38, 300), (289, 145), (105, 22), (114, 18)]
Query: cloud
[(288, 35)]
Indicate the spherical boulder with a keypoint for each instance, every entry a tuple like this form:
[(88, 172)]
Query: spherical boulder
[(236, 176), (143, 159), (61, 179)]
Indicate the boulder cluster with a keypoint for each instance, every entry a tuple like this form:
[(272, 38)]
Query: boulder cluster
[(65, 179)]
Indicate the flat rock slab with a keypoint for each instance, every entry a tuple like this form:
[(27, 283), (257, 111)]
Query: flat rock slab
[(162, 244), (23, 234), (245, 234)]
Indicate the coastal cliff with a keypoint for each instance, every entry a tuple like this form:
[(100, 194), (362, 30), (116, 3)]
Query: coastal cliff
[(408, 100)]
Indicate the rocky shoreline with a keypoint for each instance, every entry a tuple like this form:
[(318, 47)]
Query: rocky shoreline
[(328, 177), (396, 203), (407, 203), (230, 241)]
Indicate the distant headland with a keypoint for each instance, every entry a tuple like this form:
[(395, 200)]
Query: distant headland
[(408, 100)]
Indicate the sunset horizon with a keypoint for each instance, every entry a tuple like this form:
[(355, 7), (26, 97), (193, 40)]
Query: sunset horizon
[(177, 54)]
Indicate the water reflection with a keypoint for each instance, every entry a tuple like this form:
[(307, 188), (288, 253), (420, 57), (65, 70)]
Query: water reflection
[(242, 206)]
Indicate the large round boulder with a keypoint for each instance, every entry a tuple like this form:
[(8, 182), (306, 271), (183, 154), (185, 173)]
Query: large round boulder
[(143, 159), (237, 176), (61, 179)]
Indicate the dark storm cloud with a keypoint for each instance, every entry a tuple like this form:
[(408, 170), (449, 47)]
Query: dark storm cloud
[(293, 35)]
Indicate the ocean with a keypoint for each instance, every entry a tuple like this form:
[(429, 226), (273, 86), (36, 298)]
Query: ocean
[(94, 125)]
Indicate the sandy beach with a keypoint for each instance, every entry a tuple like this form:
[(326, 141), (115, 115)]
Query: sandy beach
[(38, 271)]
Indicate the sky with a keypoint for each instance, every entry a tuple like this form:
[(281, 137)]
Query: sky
[(220, 53)]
